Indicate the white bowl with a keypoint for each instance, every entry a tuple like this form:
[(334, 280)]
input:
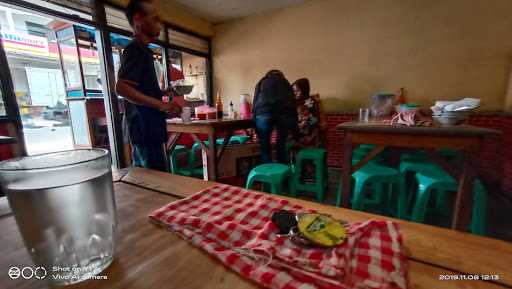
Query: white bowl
[(449, 120), (183, 89)]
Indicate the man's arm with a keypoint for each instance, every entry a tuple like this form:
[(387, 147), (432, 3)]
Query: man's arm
[(126, 89)]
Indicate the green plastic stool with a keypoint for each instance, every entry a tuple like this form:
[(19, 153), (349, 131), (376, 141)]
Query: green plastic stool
[(273, 174), (443, 185), (417, 155), (173, 159), (381, 180), (318, 157), (192, 169), (239, 139), (418, 165), (198, 172)]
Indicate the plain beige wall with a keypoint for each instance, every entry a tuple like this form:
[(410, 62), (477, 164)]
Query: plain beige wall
[(176, 14), (349, 49), (508, 100)]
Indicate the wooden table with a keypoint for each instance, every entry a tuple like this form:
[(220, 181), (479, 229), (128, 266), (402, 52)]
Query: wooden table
[(213, 128), (468, 139), (148, 256)]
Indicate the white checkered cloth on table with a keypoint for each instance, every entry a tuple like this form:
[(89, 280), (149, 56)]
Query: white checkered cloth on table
[(233, 224)]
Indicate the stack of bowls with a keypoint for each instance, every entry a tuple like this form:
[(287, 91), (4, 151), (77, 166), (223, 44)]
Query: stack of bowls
[(450, 117)]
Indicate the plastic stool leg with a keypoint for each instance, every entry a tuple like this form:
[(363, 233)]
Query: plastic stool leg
[(338, 194), (291, 186), (358, 200), (402, 200), (479, 218), (276, 188), (420, 206), (249, 183)]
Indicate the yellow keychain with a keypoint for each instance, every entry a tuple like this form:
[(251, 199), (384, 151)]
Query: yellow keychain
[(321, 229)]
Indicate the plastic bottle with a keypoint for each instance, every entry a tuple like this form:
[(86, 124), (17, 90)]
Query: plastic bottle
[(218, 106), (402, 97), (231, 110), (245, 106)]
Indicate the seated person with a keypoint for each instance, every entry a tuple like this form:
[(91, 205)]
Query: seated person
[(308, 113), (309, 124)]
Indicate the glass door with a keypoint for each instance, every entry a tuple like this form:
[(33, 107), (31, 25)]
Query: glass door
[(31, 49)]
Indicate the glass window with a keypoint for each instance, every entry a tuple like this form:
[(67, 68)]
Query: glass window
[(4, 25), (119, 42), (33, 56), (36, 29), (189, 70), (81, 9), (2, 105), (89, 58), (70, 63)]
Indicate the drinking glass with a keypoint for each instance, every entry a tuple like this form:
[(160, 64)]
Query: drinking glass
[(64, 207), (364, 114)]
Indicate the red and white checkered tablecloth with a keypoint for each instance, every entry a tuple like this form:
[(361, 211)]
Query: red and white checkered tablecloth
[(233, 224)]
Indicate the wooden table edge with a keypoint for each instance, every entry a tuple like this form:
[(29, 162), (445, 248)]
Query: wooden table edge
[(305, 203), (352, 127)]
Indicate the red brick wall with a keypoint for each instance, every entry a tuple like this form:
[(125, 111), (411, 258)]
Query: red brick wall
[(490, 160), (334, 138), (495, 158)]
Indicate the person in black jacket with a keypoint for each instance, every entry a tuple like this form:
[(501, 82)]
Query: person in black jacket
[(274, 106)]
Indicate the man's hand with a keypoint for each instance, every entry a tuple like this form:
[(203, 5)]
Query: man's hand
[(170, 107)]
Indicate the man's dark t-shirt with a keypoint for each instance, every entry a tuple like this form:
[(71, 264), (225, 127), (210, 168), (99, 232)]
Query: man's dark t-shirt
[(146, 125)]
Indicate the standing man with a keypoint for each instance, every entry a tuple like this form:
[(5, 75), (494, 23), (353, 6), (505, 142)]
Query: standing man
[(138, 84), (274, 106)]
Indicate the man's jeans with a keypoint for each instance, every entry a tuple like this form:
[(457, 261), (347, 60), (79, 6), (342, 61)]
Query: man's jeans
[(149, 156), (265, 123)]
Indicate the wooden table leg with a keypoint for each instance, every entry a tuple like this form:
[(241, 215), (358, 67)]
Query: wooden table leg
[(347, 170), (377, 150), (441, 162), (169, 147), (223, 146), (172, 141), (211, 158), (464, 198), (396, 152)]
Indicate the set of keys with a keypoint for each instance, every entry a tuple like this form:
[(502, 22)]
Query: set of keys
[(310, 229)]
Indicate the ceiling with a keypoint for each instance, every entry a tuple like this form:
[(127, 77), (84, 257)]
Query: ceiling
[(218, 11)]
